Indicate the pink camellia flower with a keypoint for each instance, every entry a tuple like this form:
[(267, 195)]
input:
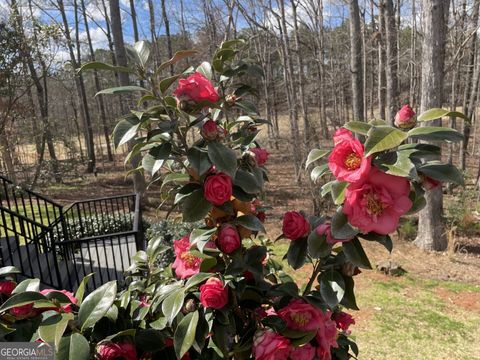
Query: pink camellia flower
[(295, 225), (214, 294), (405, 118), (67, 307), (300, 315), (343, 320), (429, 184), (211, 131), (217, 188), (305, 352), (261, 155), (112, 351), (347, 163), (228, 239), (341, 135), (23, 311), (268, 345), (186, 264), (326, 337), (196, 88), (324, 229), (6, 287), (378, 203)]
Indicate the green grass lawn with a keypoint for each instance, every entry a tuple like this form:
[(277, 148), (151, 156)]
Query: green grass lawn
[(40, 214), (410, 317)]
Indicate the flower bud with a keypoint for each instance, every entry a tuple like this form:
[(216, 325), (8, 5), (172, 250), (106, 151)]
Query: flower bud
[(405, 118), (230, 99)]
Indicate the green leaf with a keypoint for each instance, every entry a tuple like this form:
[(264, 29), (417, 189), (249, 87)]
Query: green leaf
[(250, 222), (380, 138), (143, 51), (403, 166), (197, 279), (435, 133), (419, 202), (332, 287), (167, 82), (385, 240), (73, 347), (96, 305), (7, 270), (442, 172), (338, 191), (201, 237), (314, 155), (317, 245), (172, 304), (198, 160), (27, 285), (247, 182), (223, 158), (195, 206), (340, 227), (81, 289), (297, 253), (124, 131), (52, 329), (354, 252), (24, 298), (179, 55), (97, 65), (437, 113), (326, 188), (121, 90), (205, 69), (185, 334), (358, 127), (150, 164), (349, 300), (247, 106), (318, 172), (177, 178)]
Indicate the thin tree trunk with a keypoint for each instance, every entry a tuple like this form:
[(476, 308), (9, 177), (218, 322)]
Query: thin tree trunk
[(381, 61), (167, 34), (356, 61), (392, 62), (431, 234)]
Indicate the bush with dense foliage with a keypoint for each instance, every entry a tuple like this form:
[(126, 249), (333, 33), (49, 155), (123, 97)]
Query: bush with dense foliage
[(224, 296)]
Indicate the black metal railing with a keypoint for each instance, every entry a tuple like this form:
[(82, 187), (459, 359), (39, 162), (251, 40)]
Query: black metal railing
[(62, 245)]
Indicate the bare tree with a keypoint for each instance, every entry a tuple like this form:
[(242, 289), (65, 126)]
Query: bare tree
[(431, 234), (356, 61), (392, 62)]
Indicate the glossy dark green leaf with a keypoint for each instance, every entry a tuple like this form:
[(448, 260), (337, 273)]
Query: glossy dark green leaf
[(434, 133), (442, 172), (96, 304), (314, 155), (73, 347), (198, 160), (200, 237), (121, 90), (338, 191), (317, 245), (382, 138), (297, 253), (185, 334), (173, 303), (437, 113), (318, 172), (167, 82), (7, 270), (195, 207), (340, 227), (332, 287), (124, 131), (97, 65), (354, 252), (224, 158), (81, 289), (205, 69), (250, 222), (24, 298), (247, 181), (358, 127)]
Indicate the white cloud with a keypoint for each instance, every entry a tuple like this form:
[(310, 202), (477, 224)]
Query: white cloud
[(99, 39)]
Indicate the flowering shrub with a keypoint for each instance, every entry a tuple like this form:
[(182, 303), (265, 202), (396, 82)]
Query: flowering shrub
[(224, 296)]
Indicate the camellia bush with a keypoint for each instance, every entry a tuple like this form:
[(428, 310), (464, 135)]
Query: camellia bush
[(226, 294)]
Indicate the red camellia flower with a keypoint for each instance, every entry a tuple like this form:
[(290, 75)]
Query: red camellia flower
[(347, 163), (295, 225), (66, 308), (228, 239), (211, 131), (217, 188), (23, 311), (343, 320), (214, 294), (326, 337), (342, 134), (378, 203), (196, 88), (324, 229), (6, 287), (268, 345), (405, 118), (112, 351), (305, 352), (186, 264), (261, 155), (300, 315)]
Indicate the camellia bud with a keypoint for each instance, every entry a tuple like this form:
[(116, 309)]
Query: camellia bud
[(428, 183), (405, 118), (189, 307), (348, 269), (210, 131)]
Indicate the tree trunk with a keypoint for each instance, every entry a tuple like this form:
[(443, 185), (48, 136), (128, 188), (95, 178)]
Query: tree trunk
[(381, 60), (392, 62), (167, 34), (431, 234), (121, 57), (356, 61)]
